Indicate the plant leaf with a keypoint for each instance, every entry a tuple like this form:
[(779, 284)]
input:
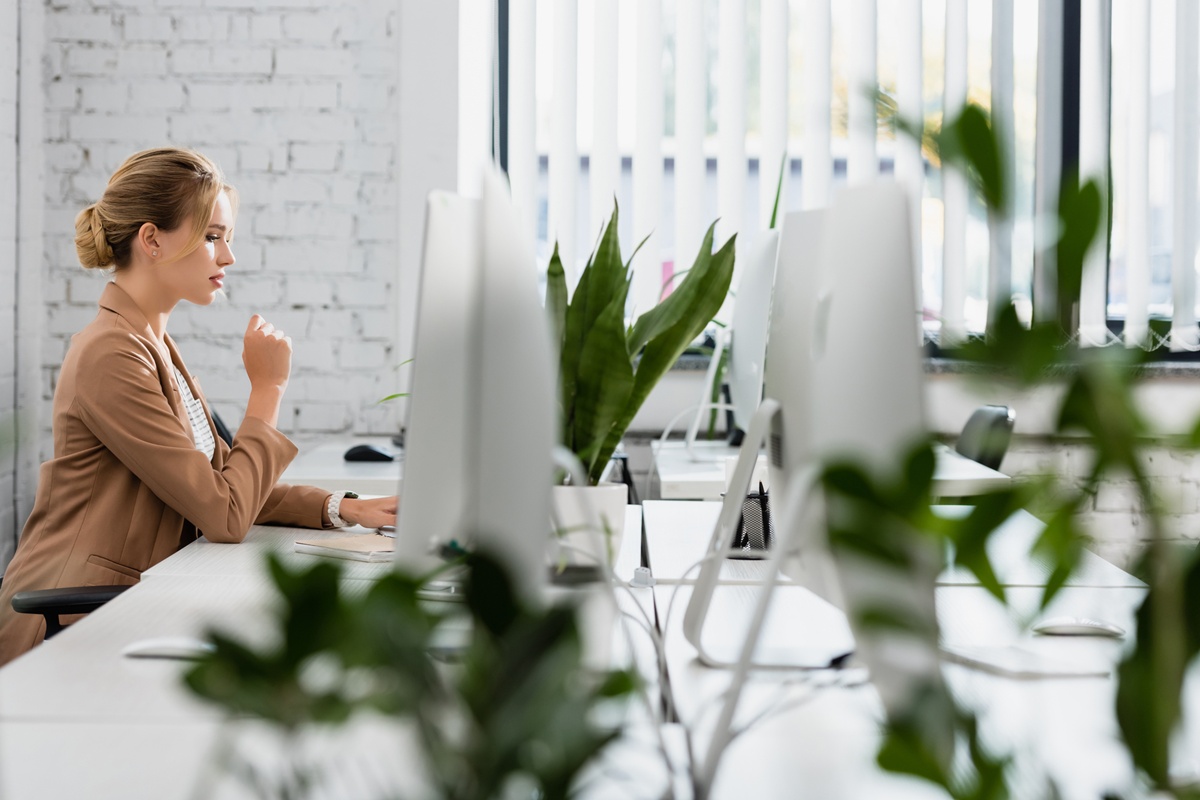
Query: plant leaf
[(980, 149), (605, 381), (670, 311), (556, 297), (1079, 218), (694, 303), (778, 191), (608, 275)]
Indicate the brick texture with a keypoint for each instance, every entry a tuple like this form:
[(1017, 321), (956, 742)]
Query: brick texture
[(296, 102), (9, 222)]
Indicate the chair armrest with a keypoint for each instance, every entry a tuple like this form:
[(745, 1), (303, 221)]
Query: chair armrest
[(50, 603)]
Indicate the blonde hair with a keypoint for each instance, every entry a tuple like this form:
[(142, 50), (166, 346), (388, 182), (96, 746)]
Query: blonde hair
[(164, 186)]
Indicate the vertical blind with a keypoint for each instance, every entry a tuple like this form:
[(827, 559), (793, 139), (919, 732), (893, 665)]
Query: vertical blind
[(1151, 135), (726, 92)]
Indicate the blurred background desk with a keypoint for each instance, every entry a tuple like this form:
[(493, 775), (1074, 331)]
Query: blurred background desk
[(678, 533), (322, 464), (677, 474)]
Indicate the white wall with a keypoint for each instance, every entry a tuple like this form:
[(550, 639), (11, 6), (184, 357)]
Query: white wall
[(9, 93), (297, 101)]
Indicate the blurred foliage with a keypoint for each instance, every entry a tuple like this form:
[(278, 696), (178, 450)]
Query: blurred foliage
[(1098, 403), (397, 395), (607, 371), (886, 522), (517, 704)]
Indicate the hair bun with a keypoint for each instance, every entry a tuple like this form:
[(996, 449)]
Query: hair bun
[(90, 241)]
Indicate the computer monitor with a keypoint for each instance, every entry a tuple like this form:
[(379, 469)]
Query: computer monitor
[(746, 338), (751, 315), (482, 415), (868, 408), (783, 417), (853, 391)]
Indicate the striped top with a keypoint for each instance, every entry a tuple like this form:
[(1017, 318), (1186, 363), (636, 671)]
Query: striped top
[(201, 431)]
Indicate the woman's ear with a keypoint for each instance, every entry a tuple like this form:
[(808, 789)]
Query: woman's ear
[(148, 240)]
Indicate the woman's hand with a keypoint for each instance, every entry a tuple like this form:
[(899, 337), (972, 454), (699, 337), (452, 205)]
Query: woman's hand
[(267, 354), (369, 513)]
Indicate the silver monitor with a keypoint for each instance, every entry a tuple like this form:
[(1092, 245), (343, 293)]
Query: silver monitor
[(482, 415), (747, 345), (751, 315), (783, 418), (854, 392)]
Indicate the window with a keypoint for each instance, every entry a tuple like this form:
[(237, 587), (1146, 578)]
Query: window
[(609, 104)]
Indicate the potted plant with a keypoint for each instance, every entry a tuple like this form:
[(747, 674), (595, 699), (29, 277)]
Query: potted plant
[(607, 368), (521, 710)]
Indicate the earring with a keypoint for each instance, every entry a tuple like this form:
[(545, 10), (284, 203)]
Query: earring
[(154, 253)]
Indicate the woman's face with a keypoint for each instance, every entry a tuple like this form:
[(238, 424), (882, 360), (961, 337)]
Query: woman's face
[(199, 275)]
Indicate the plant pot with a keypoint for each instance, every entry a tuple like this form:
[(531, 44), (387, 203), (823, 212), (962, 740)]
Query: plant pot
[(588, 523)]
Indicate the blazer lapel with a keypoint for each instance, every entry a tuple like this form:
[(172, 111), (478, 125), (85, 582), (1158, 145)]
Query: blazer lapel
[(118, 301)]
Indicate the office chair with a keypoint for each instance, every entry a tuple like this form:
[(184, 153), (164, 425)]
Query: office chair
[(222, 429), (986, 435), (53, 603)]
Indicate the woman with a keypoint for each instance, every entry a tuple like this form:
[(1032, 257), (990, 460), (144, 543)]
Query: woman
[(137, 471)]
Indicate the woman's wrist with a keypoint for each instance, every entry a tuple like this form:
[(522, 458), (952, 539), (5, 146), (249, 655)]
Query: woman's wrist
[(341, 509), (264, 403), (349, 510)]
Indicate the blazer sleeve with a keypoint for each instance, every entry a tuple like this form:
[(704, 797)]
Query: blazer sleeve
[(120, 397), (295, 506)]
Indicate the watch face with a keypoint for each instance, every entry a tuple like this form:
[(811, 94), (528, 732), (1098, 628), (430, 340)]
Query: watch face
[(352, 495)]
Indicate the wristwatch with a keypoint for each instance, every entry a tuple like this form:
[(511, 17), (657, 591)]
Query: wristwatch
[(334, 505)]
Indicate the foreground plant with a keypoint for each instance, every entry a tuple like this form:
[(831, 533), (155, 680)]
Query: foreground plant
[(516, 706), (1099, 403)]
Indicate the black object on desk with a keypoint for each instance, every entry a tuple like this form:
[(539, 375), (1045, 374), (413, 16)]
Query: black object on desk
[(755, 531), (368, 452)]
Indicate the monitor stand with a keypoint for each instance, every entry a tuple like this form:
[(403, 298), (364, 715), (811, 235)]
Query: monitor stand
[(794, 497)]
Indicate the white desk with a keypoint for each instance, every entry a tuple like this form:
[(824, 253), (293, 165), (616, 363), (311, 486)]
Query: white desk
[(324, 466), (678, 532), (827, 742), (203, 585), (80, 675), (140, 734), (679, 477), (204, 558), (128, 728)]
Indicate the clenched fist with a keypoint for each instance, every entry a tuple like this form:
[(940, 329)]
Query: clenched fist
[(267, 355)]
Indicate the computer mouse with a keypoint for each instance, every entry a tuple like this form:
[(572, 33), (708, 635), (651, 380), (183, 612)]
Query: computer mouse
[(368, 452), (177, 647), (1078, 626)]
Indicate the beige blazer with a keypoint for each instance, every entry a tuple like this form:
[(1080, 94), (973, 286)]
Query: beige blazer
[(126, 486)]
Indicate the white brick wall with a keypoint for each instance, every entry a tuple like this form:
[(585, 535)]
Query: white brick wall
[(1114, 519), (9, 94), (296, 101)]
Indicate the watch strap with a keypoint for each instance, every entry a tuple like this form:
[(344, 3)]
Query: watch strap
[(333, 507)]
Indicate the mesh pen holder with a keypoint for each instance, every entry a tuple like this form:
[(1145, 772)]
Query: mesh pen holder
[(755, 531)]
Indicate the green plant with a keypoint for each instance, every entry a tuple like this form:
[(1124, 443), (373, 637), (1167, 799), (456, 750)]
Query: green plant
[(606, 369), (1099, 403), (517, 708), (397, 395)]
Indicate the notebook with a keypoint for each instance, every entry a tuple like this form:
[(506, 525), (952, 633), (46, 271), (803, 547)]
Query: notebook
[(363, 547)]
